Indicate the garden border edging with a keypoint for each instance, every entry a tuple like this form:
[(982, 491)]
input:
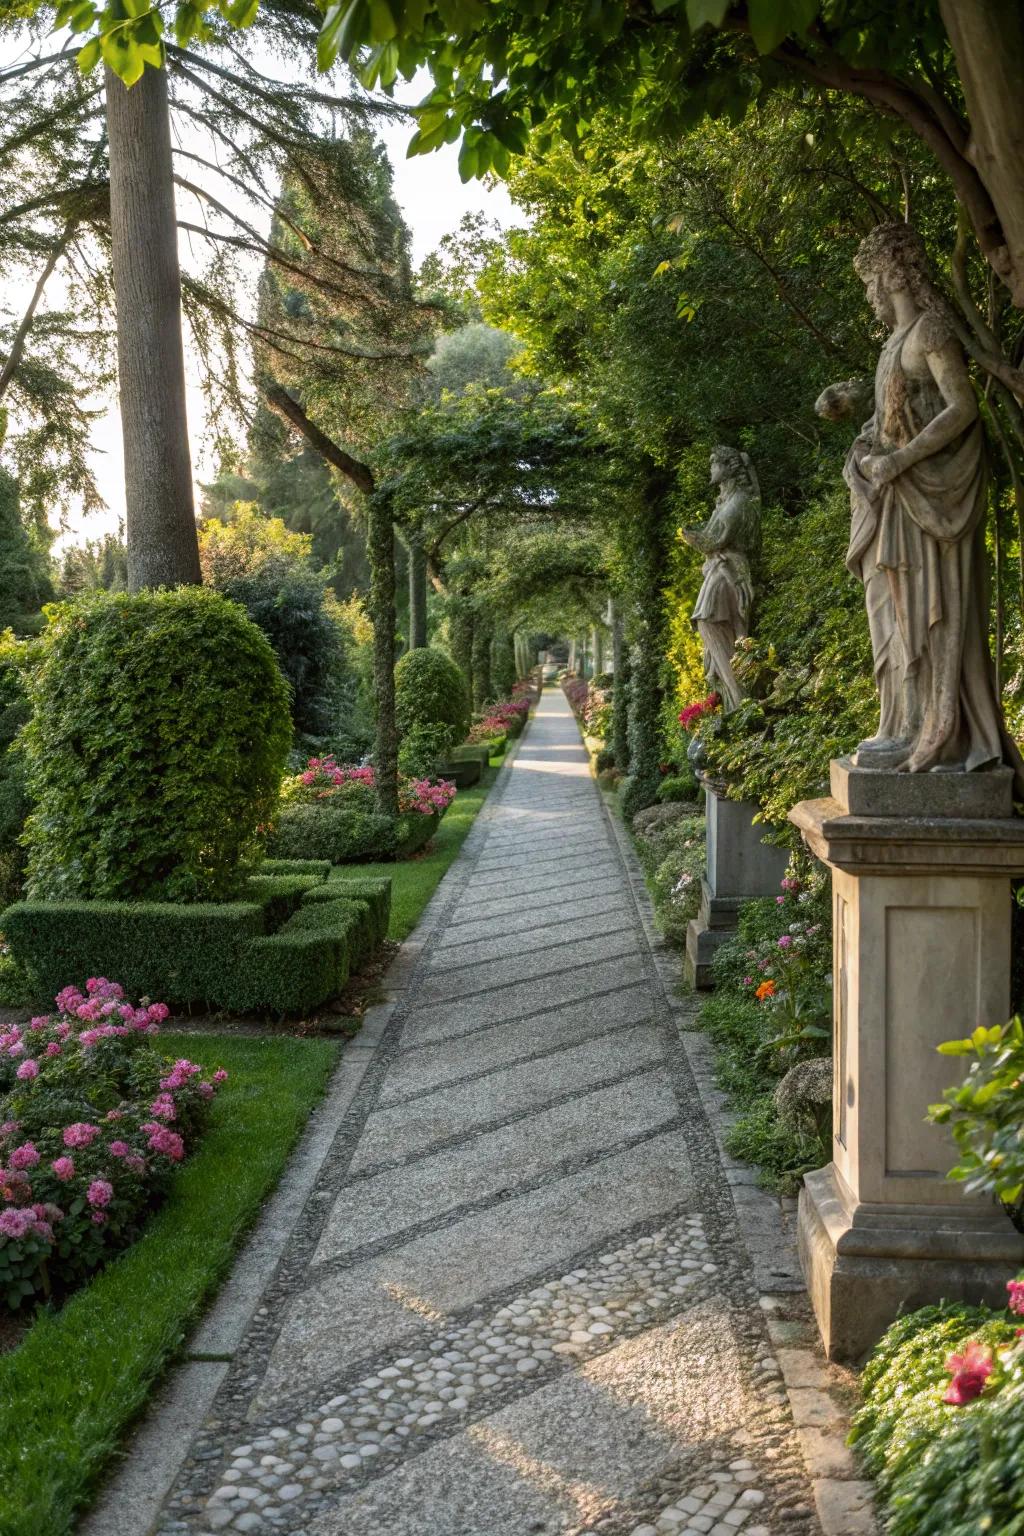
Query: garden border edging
[(131, 1498)]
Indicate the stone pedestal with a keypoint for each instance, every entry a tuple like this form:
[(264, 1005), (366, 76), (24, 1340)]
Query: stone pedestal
[(921, 911), (740, 867)]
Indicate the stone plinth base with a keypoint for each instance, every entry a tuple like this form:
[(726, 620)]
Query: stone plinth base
[(921, 910), (866, 1263), (741, 867)]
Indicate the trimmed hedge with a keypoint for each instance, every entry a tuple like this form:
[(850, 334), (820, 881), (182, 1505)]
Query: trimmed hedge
[(464, 773), (289, 949), (472, 752), (318, 833), (430, 690)]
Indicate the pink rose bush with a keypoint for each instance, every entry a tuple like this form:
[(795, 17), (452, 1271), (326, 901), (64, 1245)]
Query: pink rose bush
[(505, 718), (90, 1140), (324, 781)]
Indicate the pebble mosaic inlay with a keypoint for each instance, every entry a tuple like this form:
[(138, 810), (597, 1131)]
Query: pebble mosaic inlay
[(339, 1442)]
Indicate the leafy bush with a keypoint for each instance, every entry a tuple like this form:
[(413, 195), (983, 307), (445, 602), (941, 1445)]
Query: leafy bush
[(158, 736), (431, 690), (678, 786), (258, 562), (94, 1121), (237, 955), (424, 750), (986, 1115), (340, 834), (674, 861), (14, 801), (948, 1454)]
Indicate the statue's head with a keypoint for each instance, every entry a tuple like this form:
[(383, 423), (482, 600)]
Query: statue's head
[(728, 464), (890, 259)]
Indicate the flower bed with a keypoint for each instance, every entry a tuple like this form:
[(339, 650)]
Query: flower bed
[(505, 718), (93, 1121), (942, 1426), (328, 811), (270, 950)]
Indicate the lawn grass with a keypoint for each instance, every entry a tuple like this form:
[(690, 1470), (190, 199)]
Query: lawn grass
[(80, 1375), (414, 881)]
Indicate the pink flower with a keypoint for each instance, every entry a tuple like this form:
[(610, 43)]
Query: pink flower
[(119, 1149), (39, 1022), (81, 1134), (24, 1156), (163, 1107), (54, 1048), (28, 1070), (98, 1218), (1016, 1301), (16, 1224), (9, 1127), (64, 1168), (158, 1012), (114, 1114), (205, 1090), (165, 1141), (220, 1076), (786, 941), (136, 1163), (970, 1371), (100, 1192)]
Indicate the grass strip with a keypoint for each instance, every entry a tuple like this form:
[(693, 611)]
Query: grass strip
[(414, 881), (79, 1377)]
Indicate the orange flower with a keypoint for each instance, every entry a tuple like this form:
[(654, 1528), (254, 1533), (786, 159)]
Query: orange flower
[(766, 989)]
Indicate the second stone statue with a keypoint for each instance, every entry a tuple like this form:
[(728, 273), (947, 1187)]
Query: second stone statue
[(729, 539)]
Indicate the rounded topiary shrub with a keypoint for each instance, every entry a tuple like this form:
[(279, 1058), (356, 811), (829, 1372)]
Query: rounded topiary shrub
[(430, 690), (159, 732)]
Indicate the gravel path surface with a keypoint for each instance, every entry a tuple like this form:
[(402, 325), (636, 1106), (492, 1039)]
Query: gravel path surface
[(517, 1298)]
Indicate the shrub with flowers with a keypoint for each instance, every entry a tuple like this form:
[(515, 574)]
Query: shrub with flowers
[(942, 1426), (693, 715), (504, 718), (93, 1120), (576, 691), (345, 787), (788, 974)]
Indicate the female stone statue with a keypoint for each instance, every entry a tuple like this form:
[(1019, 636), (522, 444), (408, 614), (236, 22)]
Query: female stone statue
[(728, 538), (918, 493)]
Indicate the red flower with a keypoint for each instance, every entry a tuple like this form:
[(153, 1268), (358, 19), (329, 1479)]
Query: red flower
[(970, 1371)]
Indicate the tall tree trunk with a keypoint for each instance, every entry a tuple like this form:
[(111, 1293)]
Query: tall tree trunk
[(482, 636), (380, 549), (417, 594), (460, 628), (988, 40), (161, 527)]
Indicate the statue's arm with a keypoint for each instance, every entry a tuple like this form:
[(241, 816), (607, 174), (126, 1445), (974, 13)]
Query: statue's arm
[(717, 532), (948, 369)]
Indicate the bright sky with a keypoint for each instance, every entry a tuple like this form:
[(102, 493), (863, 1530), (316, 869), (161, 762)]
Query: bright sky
[(433, 200)]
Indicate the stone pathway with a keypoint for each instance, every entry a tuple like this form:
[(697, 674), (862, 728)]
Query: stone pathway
[(517, 1299)]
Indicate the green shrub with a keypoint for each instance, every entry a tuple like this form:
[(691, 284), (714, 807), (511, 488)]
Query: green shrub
[(371, 889), (674, 861), (259, 563), (430, 690), (414, 832), (424, 749), (320, 867), (319, 832), (985, 1113), (943, 1469), (158, 737), (14, 800), (678, 786)]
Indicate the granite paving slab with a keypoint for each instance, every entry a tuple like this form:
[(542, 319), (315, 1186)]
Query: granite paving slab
[(517, 1300)]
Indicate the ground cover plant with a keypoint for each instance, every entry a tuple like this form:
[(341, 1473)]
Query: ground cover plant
[(769, 1020), (942, 1425), (672, 853), (82, 1373)]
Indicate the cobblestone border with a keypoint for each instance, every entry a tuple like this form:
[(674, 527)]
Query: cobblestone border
[(821, 1395)]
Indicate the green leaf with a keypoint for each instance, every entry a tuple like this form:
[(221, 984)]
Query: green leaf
[(771, 21), (382, 23), (705, 13), (89, 56), (242, 13)]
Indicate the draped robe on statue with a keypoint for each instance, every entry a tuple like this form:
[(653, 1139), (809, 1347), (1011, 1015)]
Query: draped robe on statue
[(918, 545)]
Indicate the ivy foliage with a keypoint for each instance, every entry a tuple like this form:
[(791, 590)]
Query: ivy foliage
[(159, 733)]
